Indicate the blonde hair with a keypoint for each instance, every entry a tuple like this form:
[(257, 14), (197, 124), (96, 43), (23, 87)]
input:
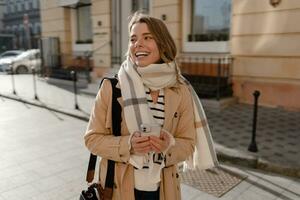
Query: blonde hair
[(161, 35)]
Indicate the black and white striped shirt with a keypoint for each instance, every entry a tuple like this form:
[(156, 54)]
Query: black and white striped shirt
[(158, 108)]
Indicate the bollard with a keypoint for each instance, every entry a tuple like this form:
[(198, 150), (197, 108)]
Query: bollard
[(219, 80), (34, 83), (13, 80), (88, 69), (253, 147), (74, 75)]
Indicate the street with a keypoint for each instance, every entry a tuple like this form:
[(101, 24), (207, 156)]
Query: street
[(43, 157)]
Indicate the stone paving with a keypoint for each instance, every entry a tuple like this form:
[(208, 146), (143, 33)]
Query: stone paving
[(43, 157), (278, 132)]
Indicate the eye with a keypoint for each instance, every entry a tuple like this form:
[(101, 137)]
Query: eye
[(132, 40), (148, 37)]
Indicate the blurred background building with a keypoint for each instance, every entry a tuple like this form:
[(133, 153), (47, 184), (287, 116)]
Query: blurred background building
[(22, 20), (2, 8), (254, 44)]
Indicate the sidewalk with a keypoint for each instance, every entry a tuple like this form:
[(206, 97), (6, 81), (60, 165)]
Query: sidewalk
[(278, 134), (43, 157)]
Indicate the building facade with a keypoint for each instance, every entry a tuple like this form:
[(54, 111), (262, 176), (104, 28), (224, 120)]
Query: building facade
[(265, 39), (264, 51), (2, 9), (22, 19)]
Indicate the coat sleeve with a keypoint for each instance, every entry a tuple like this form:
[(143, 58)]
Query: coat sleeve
[(98, 137), (185, 131)]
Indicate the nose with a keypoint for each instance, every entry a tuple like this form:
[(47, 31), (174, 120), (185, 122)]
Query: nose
[(139, 43)]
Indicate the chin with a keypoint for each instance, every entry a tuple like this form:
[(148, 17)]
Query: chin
[(142, 64)]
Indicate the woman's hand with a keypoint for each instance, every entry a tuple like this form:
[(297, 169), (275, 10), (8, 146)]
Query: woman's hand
[(140, 145), (161, 143)]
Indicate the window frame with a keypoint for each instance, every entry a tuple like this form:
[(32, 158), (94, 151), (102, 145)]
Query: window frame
[(78, 38), (199, 46)]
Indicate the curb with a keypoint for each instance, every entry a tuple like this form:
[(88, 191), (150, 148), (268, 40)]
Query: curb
[(252, 160), (76, 114), (224, 154)]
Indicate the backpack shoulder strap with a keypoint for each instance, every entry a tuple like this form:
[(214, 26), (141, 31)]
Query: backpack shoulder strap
[(116, 128)]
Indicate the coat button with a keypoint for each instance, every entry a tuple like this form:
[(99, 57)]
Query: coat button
[(175, 114)]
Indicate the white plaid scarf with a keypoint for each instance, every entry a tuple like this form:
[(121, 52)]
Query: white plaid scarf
[(137, 112)]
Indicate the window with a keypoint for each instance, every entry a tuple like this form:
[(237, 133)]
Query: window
[(210, 20), (12, 8), (26, 5), (30, 5), (84, 24), (8, 9), (206, 26), (23, 6), (19, 7), (35, 4), (140, 5)]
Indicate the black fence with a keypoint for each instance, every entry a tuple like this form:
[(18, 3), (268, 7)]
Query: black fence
[(60, 66), (210, 77)]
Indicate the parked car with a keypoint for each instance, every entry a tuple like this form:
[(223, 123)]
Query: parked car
[(11, 53), (23, 63), (6, 58)]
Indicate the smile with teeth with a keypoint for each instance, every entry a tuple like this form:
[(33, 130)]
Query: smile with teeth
[(141, 54)]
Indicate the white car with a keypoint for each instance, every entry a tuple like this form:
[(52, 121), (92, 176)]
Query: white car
[(23, 63), (7, 57)]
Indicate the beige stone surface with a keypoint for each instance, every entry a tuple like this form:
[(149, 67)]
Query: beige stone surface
[(46, 4), (174, 29), (165, 2), (274, 68), (103, 18), (172, 12), (267, 45), (101, 46), (102, 60), (54, 25), (52, 14), (101, 7), (66, 47), (266, 23), (242, 6), (63, 36), (272, 93)]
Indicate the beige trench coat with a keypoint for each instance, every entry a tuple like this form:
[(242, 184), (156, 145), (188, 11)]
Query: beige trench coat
[(179, 121)]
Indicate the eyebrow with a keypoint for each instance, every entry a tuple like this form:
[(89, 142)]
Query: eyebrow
[(142, 34)]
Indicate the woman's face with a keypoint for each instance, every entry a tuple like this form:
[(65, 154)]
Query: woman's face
[(142, 46)]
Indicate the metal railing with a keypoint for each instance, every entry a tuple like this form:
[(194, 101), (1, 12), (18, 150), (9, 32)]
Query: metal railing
[(60, 64), (211, 77)]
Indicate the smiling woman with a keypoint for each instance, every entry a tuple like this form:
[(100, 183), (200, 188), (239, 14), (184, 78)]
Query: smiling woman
[(161, 116)]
